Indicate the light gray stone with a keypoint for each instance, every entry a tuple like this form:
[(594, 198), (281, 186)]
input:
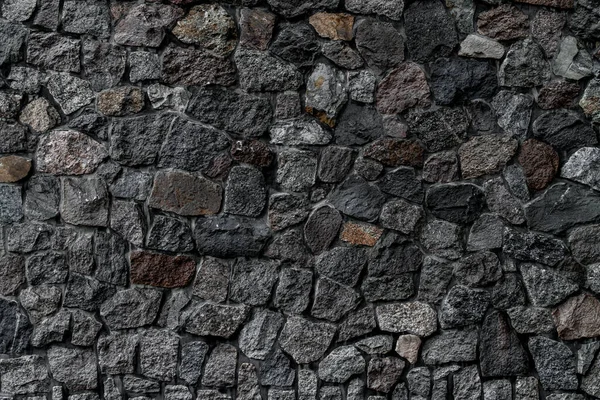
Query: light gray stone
[(341, 364)]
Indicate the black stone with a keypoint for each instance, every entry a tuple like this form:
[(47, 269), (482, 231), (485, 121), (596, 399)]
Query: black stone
[(402, 182), (357, 198), (229, 237), (296, 43), (456, 202), (501, 352), (564, 129), (358, 125), (458, 79)]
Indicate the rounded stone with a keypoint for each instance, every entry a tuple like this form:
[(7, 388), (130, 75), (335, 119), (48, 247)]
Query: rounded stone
[(540, 163), (13, 168)]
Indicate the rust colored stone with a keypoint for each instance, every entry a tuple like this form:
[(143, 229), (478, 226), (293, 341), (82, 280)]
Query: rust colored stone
[(336, 26), (558, 94), (321, 116), (578, 317), (550, 3), (13, 168), (252, 152), (162, 270), (403, 88), (360, 234), (121, 101), (540, 163), (256, 28), (396, 152), (185, 194), (504, 22)]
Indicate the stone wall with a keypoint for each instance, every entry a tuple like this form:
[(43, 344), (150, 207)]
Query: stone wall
[(299, 200)]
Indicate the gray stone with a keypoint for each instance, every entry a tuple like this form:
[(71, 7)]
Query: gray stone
[(86, 293), (358, 125), (258, 335), (333, 300), (46, 267), (13, 36), (296, 43), (12, 269), (460, 79), (212, 280), (486, 233), (281, 394), (288, 105), (116, 352), (25, 79), (546, 28), (402, 182), (23, 375), (290, 9), (342, 264), (554, 362), (467, 383), (502, 202), (326, 91), (11, 209), (85, 328), (293, 290), (276, 370), (430, 31), (439, 128), (84, 201), (70, 92), (140, 385), (533, 246), (515, 179), (499, 389), (189, 66), (362, 85), (357, 198), (131, 308), (247, 384), (478, 269), (260, 71), (582, 244), (451, 346), (170, 234), (13, 137), (443, 239), (401, 216), (54, 51), (170, 316), (144, 24), (299, 132), (463, 306), (306, 341), (413, 317), (240, 113), (206, 319), (229, 237), (524, 66), (252, 281), (27, 237), (513, 112), (40, 301), (531, 319), (379, 43), (330, 393), (485, 155), (210, 27), (408, 347), (69, 153), (341, 364), (585, 357), (112, 265), (384, 372), (380, 344), (192, 359), (177, 392), (589, 100), (546, 287), (104, 64), (162, 96), (478, 46), (76, 368), (88, 17), (132, 184), (143, 65), (245, 192), (441, 167), (39, 115), (18, 10), (307, 385), (590, 383), (582, 167), (128, 220), (390, 8), (335, 163), (321, 228), (158, 354), (435, 278), (564, 129), (572, 62), (220, 367), (526, 388)]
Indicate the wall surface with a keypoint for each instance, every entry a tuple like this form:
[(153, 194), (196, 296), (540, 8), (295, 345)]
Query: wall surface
[(300, 200)]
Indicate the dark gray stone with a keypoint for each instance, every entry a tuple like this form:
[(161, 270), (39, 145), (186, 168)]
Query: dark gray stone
[(85, 328), (533, 246), (158, 354), (380, 44), (584, 21), (384, 372), (42, 197), (451, 346), (456, 80), (440, 128), (358, 323), (357, 198), (293, 290), (84, 201), (239, 113), (24, 375), (252, 281), (508, 292), (342, 55), (215, 319), (402, 182), (296, 43), (170, 234), (212, 280), (12, 269), (13, 36), (116, 352), (276, 370), (40, 301), (229, 237), (430, 31), (463, 306), (53, 51), (259, 71), (306, 341), (467, 383), (15, 332), (501, 352), (435, 278), (86, 293), (333, 300), (192, 359), (131, 308), (443, 239), (564, 129), (104, 64), (335, 163), (11, 209), (245, 192), (259, 334), (554, 362), (524, 66), (342, 264), (111, 263), (458, 203), (478, 269), (358, 125), (546, 287), (46, 267), (293, 8), (128, 220), (76, 368), (341, 364), (220, 367)]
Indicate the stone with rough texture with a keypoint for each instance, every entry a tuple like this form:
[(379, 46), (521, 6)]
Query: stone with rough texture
[(70, 92), (306, 341), (120, 101), (504, 22), (463, 306), (40, 115), (325, 92), (69, 153), (357, 198), (478, 46), (578, 317), (259, 334), (296, 43), (404, 87), (158, 354), (84, 201), (220, 367), (401, 215), (414, 317), (554, 362), (192, 358), (229, 237), (389, 8), (513, 111), (589, 101), (13, 168), (131, 308), (197, 67), (456, 80), (161, 270), (524, 66), (144, 24), (341, 364), (430, 31), (333, 300), (540, 163), (546, 287), (260, 71), (185, 194), (564, 129), (484, 155), (215, 320), (245, 192), (451, 346), (22, 375), (333, 26), (533, 246), (256, 28), (384, 372), (379, 43), (501, 352)]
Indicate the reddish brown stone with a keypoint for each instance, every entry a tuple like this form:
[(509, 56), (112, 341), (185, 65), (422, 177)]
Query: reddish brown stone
[(550, 3), (13, 168), (333, 25), (540, 163), (185, 194), (154, 269), (396, 152), (360, 234), (252, 152), (121, 101), (558, 94), (578, 317), (504, 22), (256, 28), (403, 88), (219, 166)]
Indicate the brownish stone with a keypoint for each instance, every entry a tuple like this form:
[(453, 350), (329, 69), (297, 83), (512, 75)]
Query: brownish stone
[(121, 101), (155, 269), (69, 153), (196, 67), (252, 152), (219, 166), (540, 163), (403, 88), (360, 234), (558, 94), (185, 194), (487, 154), (256, 28), (13, 168), (408, 347), (504, 22), (396, 152), (550, 3), (336, 26), (578, 317)]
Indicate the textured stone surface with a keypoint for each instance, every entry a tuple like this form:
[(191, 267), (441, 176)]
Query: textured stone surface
[(540, 163), (69, 153), (430, 31), (404, 87)]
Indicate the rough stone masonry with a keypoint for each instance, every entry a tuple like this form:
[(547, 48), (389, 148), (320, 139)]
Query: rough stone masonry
[(299, 200)]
